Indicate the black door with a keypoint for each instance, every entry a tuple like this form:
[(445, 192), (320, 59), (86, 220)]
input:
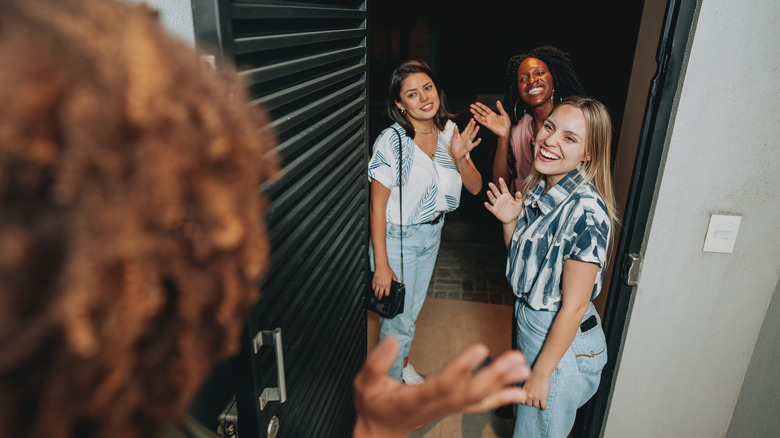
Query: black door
[(305, 63)]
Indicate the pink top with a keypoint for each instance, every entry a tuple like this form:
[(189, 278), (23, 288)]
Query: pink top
[(520, 141)]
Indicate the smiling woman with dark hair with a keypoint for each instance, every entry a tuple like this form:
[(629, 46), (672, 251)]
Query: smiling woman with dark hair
[(535, 82), (423, 160)]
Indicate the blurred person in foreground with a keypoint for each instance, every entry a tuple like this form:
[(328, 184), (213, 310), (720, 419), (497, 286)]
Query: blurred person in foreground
[(131, 236)]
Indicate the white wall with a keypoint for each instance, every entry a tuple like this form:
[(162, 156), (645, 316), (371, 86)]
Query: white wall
[(696, 316), (175, 16), (756, 413)]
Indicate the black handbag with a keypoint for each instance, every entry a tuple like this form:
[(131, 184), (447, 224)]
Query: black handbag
[(391, 304)]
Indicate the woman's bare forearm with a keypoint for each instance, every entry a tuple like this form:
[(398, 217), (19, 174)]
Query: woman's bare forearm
[(472, 179)]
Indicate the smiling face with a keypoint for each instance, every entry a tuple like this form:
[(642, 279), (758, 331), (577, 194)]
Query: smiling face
[(534, 82), (560, 144), (418, 97)]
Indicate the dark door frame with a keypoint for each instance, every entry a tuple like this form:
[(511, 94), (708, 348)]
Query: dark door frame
[(671, 58)]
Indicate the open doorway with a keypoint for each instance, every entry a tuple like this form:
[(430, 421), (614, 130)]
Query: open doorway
[(469, 47)]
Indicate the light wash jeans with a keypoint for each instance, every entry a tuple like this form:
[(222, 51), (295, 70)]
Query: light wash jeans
[(574, 381), (421, 245)]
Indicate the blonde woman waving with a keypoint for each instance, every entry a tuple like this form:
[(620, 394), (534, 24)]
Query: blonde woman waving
[(558, 231)]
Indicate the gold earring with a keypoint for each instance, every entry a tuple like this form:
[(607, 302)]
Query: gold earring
[(403, 112)]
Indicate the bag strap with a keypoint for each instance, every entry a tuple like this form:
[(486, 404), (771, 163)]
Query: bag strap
[(400, 197)]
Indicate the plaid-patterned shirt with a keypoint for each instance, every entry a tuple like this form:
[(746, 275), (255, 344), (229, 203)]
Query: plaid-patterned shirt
[(566, 222)]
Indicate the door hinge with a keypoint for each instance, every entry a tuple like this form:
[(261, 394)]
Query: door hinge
[(631, 266)]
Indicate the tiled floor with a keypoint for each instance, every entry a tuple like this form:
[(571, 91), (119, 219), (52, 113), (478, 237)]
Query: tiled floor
[(468, 302), (471, 263)]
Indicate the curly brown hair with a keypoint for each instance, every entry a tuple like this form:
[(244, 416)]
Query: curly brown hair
[(131, 235)]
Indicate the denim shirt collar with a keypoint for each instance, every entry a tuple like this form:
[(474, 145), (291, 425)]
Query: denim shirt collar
[(558, 193)]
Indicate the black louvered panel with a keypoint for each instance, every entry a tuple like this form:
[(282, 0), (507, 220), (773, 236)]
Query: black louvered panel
[(300, 206), (323, 107), (282, 70), (284, 275), (288, 10), (252, 44), (300, 149), (275, 100), (305, 63)]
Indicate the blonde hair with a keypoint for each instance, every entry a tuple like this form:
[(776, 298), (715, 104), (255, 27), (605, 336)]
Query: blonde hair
[(598, 140)]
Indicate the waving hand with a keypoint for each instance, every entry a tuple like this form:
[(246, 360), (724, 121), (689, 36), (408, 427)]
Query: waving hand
[(503, 205), (463, 143), (498, 124), (389, 409)]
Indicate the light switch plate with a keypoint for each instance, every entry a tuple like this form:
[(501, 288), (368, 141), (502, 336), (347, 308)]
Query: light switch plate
[(722, 233)]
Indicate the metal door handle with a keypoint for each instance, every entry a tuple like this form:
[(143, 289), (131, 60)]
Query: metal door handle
[(268, 337)]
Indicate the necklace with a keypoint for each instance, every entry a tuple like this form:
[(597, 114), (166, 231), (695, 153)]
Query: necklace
[(426, 141)]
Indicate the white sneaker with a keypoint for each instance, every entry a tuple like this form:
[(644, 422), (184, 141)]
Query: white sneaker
[(410, 375)]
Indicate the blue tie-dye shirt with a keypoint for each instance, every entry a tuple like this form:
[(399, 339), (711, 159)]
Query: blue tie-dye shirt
[(553, 227)]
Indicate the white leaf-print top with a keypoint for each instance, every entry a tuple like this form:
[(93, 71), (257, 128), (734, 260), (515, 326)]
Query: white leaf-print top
[(430, 186)]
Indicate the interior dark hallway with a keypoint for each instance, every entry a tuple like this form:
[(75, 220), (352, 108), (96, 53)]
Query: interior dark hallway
[(468, 47), (468, 44)]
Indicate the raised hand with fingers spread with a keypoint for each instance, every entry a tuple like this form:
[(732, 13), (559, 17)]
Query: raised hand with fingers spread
[(387, 408), (503, 205), (463, 143), (498, 124)]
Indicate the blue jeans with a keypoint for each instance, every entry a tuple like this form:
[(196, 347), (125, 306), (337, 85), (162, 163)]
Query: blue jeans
[(574, 381), (421, 245)]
